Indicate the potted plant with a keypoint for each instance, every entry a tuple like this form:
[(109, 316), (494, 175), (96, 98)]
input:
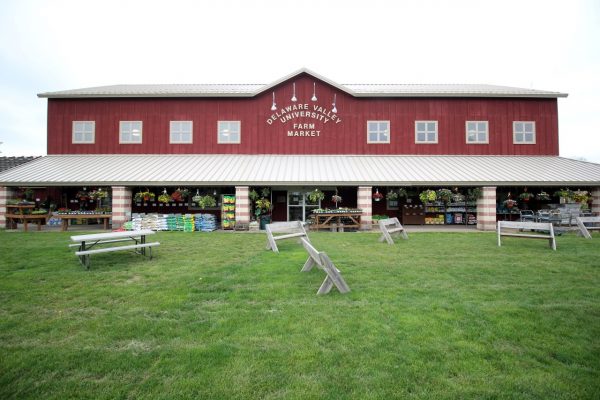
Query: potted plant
[(565, 195), (177, 195), (474, 193), (377, 196), (391, 195), (543, 196), (581, 196), (428, 196), (444, 195), (207, 201), (98, 194), (164, 198), (526, 196), (457, 197), (509, 203), (262, 206), (82, 195), (315, 196), (336, 198), (196, 198)]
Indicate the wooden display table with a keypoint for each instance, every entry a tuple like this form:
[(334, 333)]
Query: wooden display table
[(15, 213), (69, 217), (325, 220)]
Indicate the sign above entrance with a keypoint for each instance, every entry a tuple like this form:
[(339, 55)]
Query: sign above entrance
[(316, 112), (303, 129)]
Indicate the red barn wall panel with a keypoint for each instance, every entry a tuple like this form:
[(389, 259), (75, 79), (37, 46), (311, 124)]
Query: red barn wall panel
[(262, 131)]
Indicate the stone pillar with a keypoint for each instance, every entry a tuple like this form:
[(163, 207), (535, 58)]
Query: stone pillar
[(596, 200), (121, 206), (5, 194), (364, 200), (242, 204), (486, 209)]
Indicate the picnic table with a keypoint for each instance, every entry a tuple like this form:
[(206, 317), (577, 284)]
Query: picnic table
[(65, 218), (86, 243), (350, 219)]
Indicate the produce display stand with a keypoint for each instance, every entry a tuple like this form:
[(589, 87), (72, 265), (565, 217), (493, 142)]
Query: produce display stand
[(78, 217), (17, 212), (228, 211)]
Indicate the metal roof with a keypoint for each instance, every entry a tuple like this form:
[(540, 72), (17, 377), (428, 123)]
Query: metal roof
[(11, 162), (251, 90), (299, 170)]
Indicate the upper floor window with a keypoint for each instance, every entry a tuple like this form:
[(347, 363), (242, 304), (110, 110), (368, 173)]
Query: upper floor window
[(477, 132), (229, 132), (180, 132), (524, 132), (84, 132), (378, 131), (426, 131), (130, 132)]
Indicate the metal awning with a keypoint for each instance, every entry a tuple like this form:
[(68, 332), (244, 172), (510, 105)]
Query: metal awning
[(301, 170)]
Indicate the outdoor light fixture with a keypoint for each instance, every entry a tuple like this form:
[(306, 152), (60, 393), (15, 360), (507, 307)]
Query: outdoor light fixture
[(274, 106), (294, 99), (334, 109), (314, 98)]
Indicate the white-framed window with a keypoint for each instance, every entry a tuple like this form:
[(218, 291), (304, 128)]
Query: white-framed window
[(477, 132), (426, 131), (180, 132), (229, 132), (84, 132), (378, 131), (130, 132), (523, 132)]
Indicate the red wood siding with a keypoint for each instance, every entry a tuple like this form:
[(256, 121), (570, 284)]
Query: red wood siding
[(347, 137)]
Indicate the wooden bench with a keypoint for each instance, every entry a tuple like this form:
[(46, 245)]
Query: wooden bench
[(84, 255), (390, 226), (537, 230), (585, 230), (333, 278), (294, 229)]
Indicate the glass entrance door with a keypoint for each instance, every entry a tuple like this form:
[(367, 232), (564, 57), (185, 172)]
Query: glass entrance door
[(299, 206)]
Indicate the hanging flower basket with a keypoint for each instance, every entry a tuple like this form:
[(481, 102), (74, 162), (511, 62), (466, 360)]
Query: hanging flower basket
[(377, 196), (510, 203)]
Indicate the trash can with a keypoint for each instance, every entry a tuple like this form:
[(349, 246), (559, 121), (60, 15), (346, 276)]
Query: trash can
[(264, 220)]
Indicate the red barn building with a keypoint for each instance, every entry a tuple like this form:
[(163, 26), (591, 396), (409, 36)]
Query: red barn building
[(305, 132)]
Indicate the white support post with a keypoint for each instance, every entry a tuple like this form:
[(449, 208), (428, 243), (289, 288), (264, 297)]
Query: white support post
[(121, 205), (596, 200), (242, 204), (365, 203), (6, 193), (486, 209)]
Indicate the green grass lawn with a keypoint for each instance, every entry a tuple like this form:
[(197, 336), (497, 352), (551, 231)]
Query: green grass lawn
[(215, 316)]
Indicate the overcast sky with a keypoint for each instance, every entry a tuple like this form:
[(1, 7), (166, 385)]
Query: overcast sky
[(58, 45)]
